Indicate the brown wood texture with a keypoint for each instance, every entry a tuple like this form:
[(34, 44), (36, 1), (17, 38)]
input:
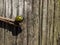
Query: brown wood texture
[(41, 25)]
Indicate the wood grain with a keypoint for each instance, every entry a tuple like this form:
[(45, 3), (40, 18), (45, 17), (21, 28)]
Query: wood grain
[(35, 19), (58, 21), (30, 31), (51, 13), (44, 23), (25, 11), (20, 37), (41, 25), (1, 24), (8, 37)]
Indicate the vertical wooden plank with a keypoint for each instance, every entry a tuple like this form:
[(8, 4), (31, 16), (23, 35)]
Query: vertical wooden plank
[(35, 23), (1, 29), (44, 26), (58, 21), (20, 37), (30, 30), (9, 38), (33, 28), (51, 22), (25, 22), (8, 35)]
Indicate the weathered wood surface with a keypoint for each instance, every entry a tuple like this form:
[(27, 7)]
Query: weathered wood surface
[(41, 25)]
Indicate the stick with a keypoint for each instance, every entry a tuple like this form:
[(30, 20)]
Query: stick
[(7, 20)]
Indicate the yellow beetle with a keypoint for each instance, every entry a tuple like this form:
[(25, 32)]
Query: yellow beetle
[(19, 18)]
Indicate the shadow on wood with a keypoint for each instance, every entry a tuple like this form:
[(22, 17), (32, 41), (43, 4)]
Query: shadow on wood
[(14, 29)]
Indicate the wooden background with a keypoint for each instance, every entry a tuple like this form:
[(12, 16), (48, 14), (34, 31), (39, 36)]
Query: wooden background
[(41, 25)]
